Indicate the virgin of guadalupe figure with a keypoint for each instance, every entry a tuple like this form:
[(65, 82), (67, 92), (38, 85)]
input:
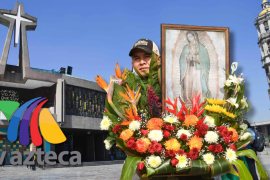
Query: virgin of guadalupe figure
[(194, 69)]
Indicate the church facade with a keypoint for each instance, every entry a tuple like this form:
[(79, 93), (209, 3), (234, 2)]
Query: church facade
[(76, 104)]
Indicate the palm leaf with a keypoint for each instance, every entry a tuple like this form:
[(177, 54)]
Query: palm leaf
[(251, 154), (129, 167), (166, 167), (199, 167), (242, 170), (218, 168)]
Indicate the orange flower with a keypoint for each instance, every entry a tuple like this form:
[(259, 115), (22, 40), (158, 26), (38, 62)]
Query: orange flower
[(142, 145), (126, 134), (131, 96), (131, 112), (155, 124), (195, 142), (172, 144), (190, 120), (235, 134), (118, 72), (101, 83)]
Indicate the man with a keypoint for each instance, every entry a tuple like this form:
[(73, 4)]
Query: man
[(141, 55)]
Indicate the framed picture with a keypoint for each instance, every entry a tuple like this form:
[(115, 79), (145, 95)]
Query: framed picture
[(194, 59)]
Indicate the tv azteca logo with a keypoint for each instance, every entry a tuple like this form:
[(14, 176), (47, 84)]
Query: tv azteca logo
[(48, 128)]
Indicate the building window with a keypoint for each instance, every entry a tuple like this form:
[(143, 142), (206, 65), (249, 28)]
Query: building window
[(266, 26), (84, 102)]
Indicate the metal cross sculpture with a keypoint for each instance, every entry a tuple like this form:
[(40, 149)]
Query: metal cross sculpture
[(21, 22)]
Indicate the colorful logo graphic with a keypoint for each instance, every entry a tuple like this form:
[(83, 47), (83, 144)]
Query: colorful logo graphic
[(47, 124)]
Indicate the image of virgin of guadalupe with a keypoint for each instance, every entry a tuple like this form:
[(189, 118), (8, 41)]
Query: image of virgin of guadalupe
[(194, 69)]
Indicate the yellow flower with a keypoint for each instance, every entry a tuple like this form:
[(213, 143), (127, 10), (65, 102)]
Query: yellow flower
[(235, 134), (214, 108), (231, 115), (190, 120), (214, 101), (126, 134), (195, 142), (172, 144)]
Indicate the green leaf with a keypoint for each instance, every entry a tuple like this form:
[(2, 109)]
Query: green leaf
[(251, 154), (242, 170), (183, 170), (199, 167), (129, 167), (122, 144), (109, 108), (241, 144), (112, 117), (218, 168), (110, 138), (217, 120), (166, 167)]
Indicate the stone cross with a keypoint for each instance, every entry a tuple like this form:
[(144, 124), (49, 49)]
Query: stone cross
[(22, 22)]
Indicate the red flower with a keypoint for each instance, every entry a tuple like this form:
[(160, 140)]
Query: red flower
[(116, 128), (183, 137), (151, 149), (193, 154), (166, 133), (181, 152), (131, 144), (212, 148), (174, 161), (227, 139), (138, 118), (158, 148), (182, 117), (203, 127), (233, 147), (144, 132), (219, 148), (195, 150), (141, 166), (170, 153), (169, 127)]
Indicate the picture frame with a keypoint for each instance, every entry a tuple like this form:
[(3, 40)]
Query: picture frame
[(193, 60)]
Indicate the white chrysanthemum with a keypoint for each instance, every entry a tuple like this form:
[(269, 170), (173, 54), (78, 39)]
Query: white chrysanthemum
[(155, 135), (154, 161), (182, 161), (134, 125), (183, 131), (211, 137), (209, 121), (245, 136), (171, 119), (108, 144), (209, 158), (230, 155), (105, 123)]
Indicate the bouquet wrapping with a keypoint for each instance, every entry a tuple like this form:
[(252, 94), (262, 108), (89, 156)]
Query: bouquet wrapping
[(201, 140)]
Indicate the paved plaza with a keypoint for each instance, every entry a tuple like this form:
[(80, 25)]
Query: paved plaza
[(104, 172)]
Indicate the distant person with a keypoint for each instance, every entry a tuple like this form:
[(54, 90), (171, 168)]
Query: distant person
[(251, 162), (3, 164)]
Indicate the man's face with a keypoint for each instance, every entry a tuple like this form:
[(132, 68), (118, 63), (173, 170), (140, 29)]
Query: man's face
[(141, 61)]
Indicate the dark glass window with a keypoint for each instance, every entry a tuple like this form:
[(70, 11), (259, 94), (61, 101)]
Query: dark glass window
[(84, 102), (266, 26)]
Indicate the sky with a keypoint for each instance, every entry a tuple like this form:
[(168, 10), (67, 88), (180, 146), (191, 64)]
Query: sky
[(91, 36)]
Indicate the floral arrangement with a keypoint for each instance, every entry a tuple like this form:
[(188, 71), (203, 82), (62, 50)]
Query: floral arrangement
[(202, 140)]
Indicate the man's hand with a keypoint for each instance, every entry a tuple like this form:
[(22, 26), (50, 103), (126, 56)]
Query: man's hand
[(251, 142)]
